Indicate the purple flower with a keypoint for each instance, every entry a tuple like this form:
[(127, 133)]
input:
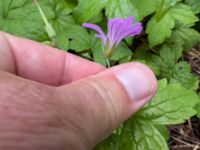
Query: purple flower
[(118, 29)]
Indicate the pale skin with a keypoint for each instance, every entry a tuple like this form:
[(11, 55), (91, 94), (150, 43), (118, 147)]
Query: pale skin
[(53, 100)]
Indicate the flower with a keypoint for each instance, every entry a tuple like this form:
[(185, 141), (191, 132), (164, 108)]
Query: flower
[(118, 29)]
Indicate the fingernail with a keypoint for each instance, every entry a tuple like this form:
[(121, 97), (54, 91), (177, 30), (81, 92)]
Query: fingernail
[(138, 80)]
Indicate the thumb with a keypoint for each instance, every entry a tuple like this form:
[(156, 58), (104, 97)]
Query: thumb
[(98, 104)]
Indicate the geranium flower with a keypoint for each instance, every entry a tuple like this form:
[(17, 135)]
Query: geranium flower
[(118, 29)]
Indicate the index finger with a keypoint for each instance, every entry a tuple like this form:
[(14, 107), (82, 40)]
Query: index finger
[(37, 62)]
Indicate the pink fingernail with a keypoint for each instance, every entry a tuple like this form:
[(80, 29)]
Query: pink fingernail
[(138, 80)]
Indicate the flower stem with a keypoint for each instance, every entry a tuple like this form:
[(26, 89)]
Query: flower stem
[(108, 63), (48, 27)]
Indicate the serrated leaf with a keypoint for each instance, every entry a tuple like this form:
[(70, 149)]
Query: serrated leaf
[(62, 10), (173, 104), (182, 73), (23, 18), (121, 9), (183, 14), (169, 54), (163, 6), (80, 39), (158, 31), (144, 7), (188, 37), (87, 9), (136, 134), (179, 13), (195, 5)]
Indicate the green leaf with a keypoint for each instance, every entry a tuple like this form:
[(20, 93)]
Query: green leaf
[(183, 14), (169, 54), (80, 39), (97, 51), (195, 5), (121, 51), (173, 104), (136, 134), (62, 10), (87, 9), (158, 31), (164, 131), (121, 9), (144, 7), (22, 18), (163, 6), (198, 109), (62, 41), (182, 73), (143, 54), (179, 13), (187, 37)]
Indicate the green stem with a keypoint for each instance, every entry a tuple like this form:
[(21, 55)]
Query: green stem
[(108, 63), (106, 57), (49, 28), (42, 13)]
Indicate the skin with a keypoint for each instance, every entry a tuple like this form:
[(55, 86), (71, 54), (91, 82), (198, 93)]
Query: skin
[(52, 100)]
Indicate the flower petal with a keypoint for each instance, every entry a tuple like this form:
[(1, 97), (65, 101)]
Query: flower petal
[(131, 31), (98, 29), (113, 27), (125, 25)]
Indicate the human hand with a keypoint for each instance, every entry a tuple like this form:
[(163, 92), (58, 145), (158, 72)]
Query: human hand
[(52, 100)]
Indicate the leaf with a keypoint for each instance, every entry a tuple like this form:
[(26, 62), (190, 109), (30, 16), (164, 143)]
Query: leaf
[(169, 56), (121, 9), (163, 6), (62, 41), (179, 13), (87, 9), (173, 104), (80, 39), (97, 51), (183, 14), (62, 10), (164, 131), (195, 5), (22, 18), (198, 109), (144, 7), (136, 134), (143, 54), (182, 73), (187, 37), (158, 31), (121, 51)]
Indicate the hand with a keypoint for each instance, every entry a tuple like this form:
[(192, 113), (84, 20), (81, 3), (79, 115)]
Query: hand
[(52, 100)]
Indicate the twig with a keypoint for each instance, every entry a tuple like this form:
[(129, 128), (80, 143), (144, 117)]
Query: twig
[(183, 142), (196, 147), (190, 126)]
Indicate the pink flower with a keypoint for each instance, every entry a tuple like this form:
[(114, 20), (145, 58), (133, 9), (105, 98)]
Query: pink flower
[(118, 29)]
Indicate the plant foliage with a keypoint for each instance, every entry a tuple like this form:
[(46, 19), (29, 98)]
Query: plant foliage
[(169, 31)]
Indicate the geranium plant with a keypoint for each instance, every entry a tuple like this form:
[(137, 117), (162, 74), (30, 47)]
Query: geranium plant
[(170, 29)]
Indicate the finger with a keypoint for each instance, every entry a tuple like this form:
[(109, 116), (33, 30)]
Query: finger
[(99, 104), (41, 63)]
